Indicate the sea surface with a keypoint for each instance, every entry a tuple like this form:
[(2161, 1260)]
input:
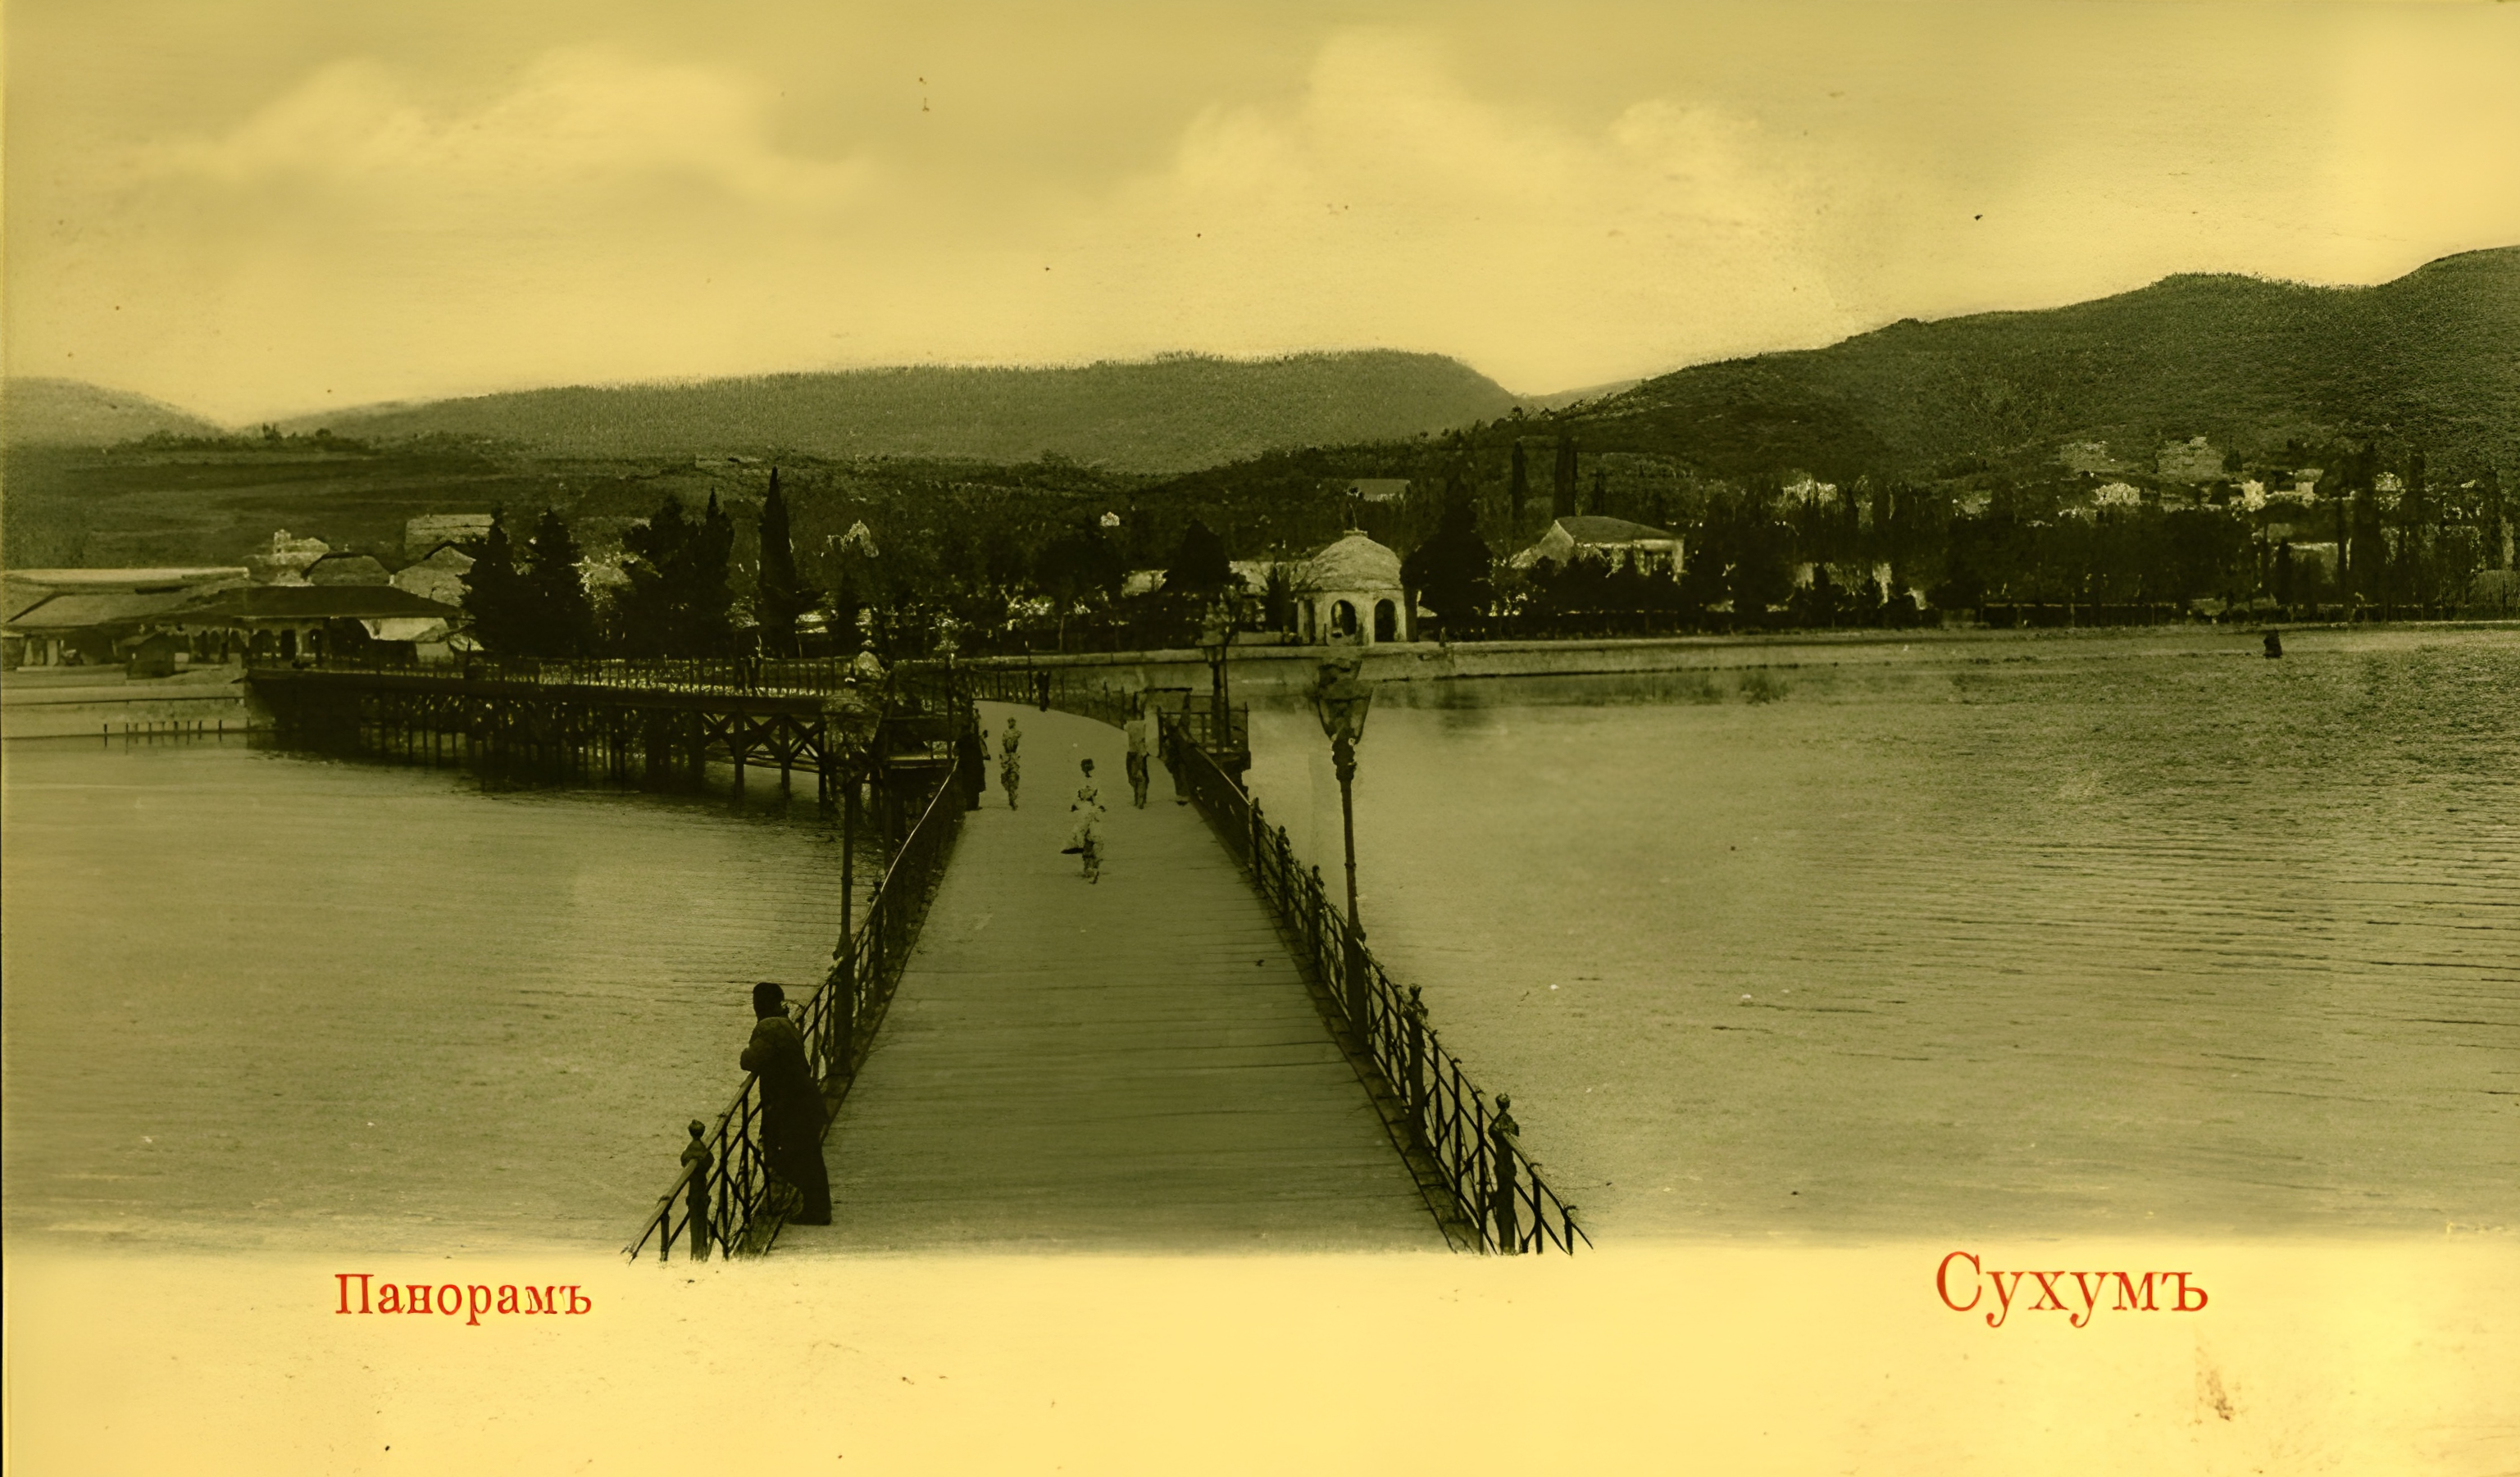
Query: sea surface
[(2073, 942), (2093, 939), (268, 1000)]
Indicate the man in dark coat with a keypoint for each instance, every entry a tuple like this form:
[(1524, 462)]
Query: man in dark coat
[(792, 1107)]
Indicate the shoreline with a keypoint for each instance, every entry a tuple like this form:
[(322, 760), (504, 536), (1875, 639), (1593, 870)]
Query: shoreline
[(91, 703), (1287, 670)]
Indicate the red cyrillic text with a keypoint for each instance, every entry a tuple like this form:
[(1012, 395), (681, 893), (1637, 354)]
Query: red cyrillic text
[(1964, 1281), (360, 1292)]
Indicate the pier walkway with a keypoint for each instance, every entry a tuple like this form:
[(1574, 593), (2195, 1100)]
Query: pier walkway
[(1129, 1064)]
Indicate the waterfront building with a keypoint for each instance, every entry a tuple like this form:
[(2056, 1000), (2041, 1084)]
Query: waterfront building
[(427, 533), (439, 577), (2195, 460), (289, 621), (285, 561), (1649, 549), (58, 617), (1376, 489), (1351, 591), (348, 568)]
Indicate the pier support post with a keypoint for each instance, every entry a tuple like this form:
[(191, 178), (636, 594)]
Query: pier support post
[(656, 746)]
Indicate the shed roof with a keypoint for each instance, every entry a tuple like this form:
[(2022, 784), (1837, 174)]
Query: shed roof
[(81, 612), (446, 555), (126, 579), (316, 603), (1590, 530), (342, 568)]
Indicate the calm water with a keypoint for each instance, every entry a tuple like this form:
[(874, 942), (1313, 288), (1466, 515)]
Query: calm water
[(257, 999), (2187, 943), (2202, 943)]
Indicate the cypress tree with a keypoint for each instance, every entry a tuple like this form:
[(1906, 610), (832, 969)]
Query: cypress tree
[(1199, 566), (496, 596), (562, 621), (657, 554), (1519, 492), (1451, 573), (779, 597), (708, 607), (678, 602)]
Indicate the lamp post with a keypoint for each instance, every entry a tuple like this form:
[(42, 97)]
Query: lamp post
[(1340, 700), (852, 717), (1215, 637)]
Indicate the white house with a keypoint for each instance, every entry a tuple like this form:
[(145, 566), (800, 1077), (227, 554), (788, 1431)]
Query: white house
[(1654, 549)]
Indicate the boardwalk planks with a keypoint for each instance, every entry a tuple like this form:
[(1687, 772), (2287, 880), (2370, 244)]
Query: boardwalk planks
[(1129, 1064)]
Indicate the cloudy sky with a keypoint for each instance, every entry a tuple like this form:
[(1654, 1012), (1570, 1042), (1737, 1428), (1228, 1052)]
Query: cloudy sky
[(266, 208)]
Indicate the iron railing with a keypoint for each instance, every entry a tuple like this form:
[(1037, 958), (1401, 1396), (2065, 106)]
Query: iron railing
[(923, 717), (838, 1023), (1059, 687), (800, 677), (1495, 1186)]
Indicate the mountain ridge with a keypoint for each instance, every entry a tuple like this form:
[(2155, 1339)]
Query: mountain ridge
[(41, 410), (1170, 412), (2254, 364)]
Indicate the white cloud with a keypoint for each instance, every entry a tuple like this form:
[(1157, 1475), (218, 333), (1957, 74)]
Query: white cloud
[(385, 230), (576, 119), (1388, 205)]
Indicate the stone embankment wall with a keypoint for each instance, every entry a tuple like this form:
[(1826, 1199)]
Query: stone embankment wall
[(86, 702), (1281, 671)]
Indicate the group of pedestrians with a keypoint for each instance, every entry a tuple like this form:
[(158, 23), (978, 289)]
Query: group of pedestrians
[(1085, 838), (791, 1101)]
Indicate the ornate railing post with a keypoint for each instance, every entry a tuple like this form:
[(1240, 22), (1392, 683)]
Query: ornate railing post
[(1415, 1093), (1504, 1135)]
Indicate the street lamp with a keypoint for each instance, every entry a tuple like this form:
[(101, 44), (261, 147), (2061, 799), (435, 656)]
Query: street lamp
[(853, 718), (1340, 699), (1215, 636)]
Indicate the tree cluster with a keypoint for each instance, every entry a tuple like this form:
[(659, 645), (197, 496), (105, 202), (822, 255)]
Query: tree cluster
[(537, 608)]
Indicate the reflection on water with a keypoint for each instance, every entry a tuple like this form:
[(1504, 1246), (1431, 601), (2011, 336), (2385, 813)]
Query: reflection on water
[(2105, 943), (258, 999), (2199, 943)]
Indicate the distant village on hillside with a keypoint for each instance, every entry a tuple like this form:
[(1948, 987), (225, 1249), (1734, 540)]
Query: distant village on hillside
[(1613, 545)]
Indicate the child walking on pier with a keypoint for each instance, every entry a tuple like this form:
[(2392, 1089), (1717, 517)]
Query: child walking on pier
[(1009, 763), (1140, 747), (1086, 839)]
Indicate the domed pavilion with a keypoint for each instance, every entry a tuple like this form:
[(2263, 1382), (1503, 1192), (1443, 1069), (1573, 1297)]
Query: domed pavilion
[(1351, 591)]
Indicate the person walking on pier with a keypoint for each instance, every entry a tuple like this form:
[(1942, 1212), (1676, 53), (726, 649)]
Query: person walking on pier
[(1086, 838), (791, 1108), (1138, 749), (1009, 762)]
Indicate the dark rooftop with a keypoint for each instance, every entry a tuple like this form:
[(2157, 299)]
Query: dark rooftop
[(316, 603)]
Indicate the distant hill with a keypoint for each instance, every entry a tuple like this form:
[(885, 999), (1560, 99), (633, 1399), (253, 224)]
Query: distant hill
[(1558, 399), (1167, 414), (36, 411), (2431, 360)]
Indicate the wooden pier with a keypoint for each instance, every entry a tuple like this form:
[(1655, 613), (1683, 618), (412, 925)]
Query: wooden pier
[(1194, 1053), (1132, 1064)]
